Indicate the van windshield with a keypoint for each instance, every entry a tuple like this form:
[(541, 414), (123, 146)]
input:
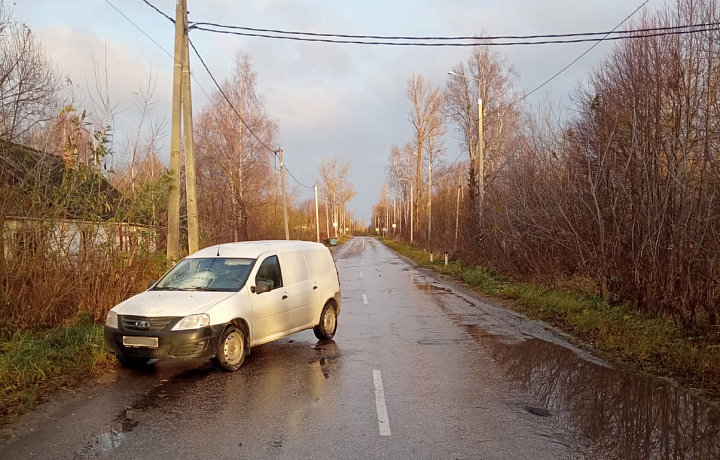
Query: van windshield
[(211, 274)]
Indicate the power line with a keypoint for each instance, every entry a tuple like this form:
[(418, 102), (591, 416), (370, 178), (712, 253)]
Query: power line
[(159, 11), (140, 29), (273, 151), (192, 74), (581, 56), (200, 25), (202, 61), (291, 175), (456, 159), (479, 42)]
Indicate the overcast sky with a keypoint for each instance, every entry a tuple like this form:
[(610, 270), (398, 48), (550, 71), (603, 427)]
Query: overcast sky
[(328, 99)]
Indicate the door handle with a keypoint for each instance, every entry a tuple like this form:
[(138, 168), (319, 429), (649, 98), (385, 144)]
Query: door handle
[(284, 297), (314, 287)]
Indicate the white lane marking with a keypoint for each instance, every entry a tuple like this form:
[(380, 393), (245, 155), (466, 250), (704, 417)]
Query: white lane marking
[(364, 299), (360, 274), (383, 421)]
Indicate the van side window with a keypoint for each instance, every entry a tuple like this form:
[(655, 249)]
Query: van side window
[(269, 272)]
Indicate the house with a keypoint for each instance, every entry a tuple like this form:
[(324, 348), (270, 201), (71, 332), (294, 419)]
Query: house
[(49, 206)]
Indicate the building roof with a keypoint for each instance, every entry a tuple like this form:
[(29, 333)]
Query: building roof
[(254, 249), (44, 176)]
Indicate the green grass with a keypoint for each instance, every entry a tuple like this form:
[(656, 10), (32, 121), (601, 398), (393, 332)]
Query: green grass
[(33, 363), (656, 345)]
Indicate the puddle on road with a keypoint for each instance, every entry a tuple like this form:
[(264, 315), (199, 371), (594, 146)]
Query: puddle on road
[(109, 439), (166, 391), (624, 415), (420, 285)]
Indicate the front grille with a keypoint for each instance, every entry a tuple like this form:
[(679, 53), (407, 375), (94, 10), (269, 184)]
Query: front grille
[(157, 324)]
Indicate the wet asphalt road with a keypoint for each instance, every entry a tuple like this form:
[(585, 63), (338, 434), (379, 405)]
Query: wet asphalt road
[(461, 378)]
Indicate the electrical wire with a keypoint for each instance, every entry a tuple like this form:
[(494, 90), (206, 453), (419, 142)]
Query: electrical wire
[(192, 74), (196, 81), (456, 159), (141, 31), (579, 57), (291, 175), (199, 25), (212, 77), (159, 11), (479, 41)]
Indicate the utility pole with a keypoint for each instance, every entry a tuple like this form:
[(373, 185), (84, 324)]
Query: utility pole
[(387, 216), (282, 182), (327, 216), (411, 213), (481, 159), (173, 231), (457, 212), (190, 181), (317, 215), (394, 217), (430, 156)]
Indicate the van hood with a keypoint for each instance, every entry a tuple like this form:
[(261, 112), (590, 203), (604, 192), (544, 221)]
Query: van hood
[(170, 303)]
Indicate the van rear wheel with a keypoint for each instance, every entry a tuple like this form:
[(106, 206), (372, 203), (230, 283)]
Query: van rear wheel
[(325, 330), (231, 350)]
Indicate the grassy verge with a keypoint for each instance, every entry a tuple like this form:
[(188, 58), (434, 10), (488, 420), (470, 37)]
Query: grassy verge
[(656, 345), (33, 363)]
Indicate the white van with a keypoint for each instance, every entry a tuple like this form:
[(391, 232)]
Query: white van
[(222, 300)]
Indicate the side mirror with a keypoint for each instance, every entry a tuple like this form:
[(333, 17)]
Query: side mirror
[(262, 286), (151, 284)]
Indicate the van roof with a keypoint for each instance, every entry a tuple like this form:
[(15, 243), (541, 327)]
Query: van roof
[(254, 249)]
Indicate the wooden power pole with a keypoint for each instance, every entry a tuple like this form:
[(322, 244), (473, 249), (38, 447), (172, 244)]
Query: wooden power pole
[(317, 215), (190, 181), (173, 230), (182, 123), (284, 198)]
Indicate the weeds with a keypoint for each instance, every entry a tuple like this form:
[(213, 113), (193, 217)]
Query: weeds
[(33, 362)]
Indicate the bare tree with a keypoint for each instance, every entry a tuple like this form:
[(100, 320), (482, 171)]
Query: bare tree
[(335, 188), (233, 167), (29, 83), (427, 119), (490, 79)]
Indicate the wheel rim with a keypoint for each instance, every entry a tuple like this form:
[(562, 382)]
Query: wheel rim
[(329, 321), (234, 348)]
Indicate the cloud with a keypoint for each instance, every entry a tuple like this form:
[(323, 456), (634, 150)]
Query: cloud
[(329, 100)]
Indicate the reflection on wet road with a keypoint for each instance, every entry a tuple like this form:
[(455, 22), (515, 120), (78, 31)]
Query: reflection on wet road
[(417, 369)]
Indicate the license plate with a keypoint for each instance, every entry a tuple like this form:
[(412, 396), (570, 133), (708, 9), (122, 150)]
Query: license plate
[(140, 342)]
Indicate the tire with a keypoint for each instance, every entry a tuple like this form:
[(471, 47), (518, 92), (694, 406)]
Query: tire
[(132, 362), (325, 330), (232, 349)]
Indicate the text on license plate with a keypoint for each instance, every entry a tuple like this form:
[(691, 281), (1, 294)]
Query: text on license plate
[(147, 342)]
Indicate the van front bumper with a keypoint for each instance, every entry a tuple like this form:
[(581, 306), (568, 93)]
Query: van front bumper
[(196, 343)]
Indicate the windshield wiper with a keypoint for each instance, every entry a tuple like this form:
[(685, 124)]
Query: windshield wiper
[(168, 288), (200, 288)]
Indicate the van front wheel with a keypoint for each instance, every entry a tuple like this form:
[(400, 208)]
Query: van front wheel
[(231, 350), (325, 330)]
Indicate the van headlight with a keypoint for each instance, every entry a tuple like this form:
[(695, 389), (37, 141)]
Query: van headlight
[(111, 320), (192, 322)]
